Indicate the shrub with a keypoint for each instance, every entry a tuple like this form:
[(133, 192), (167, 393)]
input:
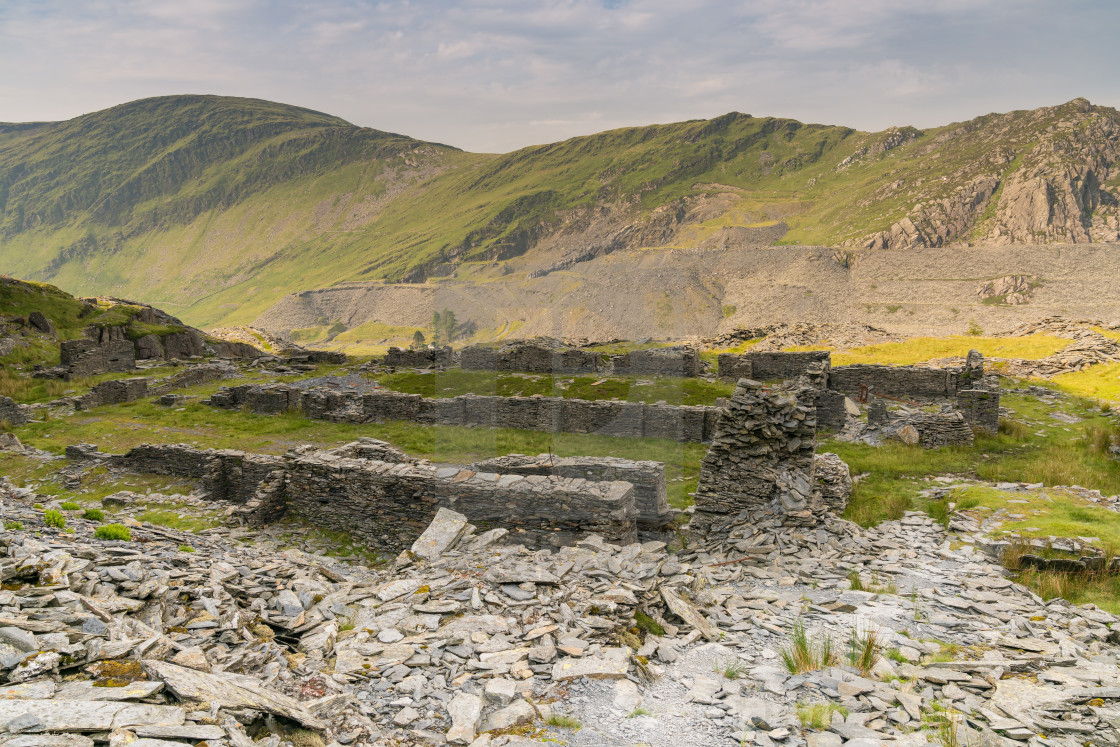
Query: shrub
[(93, 514), (70, 506), (54, 519), (113, 532), (13, 525), (186, 548)]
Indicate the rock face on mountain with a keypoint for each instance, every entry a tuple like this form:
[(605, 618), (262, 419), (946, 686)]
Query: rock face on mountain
[(1041, 176)]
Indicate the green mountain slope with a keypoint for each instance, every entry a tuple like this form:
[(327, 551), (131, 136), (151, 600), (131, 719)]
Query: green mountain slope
[(216, 207)]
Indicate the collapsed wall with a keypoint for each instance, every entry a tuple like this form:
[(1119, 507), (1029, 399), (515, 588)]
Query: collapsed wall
[(14, 413), (551, 359), (109, 352), (647, 477), (772, 365), (388, 503), (760, 464), (551, 414), (114, 393)]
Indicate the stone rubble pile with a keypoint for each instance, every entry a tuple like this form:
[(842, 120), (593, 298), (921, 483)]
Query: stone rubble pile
[(1088, 347), (464, 640)]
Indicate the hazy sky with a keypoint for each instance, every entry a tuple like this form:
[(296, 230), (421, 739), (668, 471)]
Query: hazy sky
[(494, 75)]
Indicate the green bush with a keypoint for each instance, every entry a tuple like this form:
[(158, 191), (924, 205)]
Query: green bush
[(13, 525), (54, 519), (113, 532), (93, 514), (186, 548), (70, 506)]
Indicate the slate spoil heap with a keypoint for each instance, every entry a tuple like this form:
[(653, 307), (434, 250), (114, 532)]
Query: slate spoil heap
[(467, 641)]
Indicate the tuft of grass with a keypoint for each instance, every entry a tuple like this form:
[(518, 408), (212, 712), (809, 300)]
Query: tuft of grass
[(732, 668), (640, 712), (113, 532), (1014, 429), (93, 514), (186, 548), (53, 518), (819, 715), (864, 650), (806, 654), (856, 581), (564, 722), (895, 655), (70, 506)]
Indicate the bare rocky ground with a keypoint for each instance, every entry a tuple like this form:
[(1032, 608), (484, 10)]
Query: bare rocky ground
[(683, 293), (471, 641)]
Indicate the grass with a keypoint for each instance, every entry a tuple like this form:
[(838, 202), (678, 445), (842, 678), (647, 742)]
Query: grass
[(182, 517), (93, 514), (186, 548), (116, 428), (640, 712), (865, 650), (13, 526), (70, 506), (819, 715), (564, 722), (922, 349), (647, 624), (804, 653), (113, 532), (895, 473), (732, 668), (1101, 381)]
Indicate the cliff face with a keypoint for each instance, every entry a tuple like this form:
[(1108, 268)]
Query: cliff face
[(1049, 175)]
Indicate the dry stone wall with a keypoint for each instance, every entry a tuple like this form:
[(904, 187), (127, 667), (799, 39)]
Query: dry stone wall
[(769, 366), (87, 357), (388, 503), (552, 414), (980, 407), (760, 463), (647, 477), (114, 393), (548, 359), (14, 413)]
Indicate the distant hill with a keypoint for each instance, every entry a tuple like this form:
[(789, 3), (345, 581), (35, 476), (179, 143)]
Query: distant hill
[(214, 208)]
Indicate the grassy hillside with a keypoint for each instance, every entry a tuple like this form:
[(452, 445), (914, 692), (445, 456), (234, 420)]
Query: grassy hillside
[(215, 207)]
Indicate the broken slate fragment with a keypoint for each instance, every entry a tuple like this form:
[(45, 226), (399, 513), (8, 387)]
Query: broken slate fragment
[(444, 531)]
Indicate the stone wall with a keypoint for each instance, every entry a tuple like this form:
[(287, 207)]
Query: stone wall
[(387, 504), (390, 504), (909, 382), (680, 362), (945, 428), (980, 407), (831, 408), (760, 463), (552, 414), (109, 353), (424, 358), (540, 358), (769, 366), (14, 413), (734, 366), (648, 478), (114, 393), (193, 375)]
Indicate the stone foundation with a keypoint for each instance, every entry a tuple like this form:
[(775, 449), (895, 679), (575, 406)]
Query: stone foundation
[(551, 414), (425, 358), (648, 478)]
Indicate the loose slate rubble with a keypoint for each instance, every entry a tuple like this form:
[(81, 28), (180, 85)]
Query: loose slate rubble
[(468, 640)]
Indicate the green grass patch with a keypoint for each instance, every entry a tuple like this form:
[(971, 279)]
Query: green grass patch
[(113, 532)]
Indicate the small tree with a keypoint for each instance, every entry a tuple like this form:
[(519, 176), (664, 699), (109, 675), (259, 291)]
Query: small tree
[(437, 327), (417, 340)]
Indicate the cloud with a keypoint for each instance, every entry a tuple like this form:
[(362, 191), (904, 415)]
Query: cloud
[(497, 74)]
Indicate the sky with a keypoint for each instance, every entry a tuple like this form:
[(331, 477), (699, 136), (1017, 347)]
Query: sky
[(496, 75)]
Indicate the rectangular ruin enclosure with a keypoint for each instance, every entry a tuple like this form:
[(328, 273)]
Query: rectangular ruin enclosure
[(388, 503), (551, 414)]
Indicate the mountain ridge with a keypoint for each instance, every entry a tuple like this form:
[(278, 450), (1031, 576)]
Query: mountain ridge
[(217, 206)]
